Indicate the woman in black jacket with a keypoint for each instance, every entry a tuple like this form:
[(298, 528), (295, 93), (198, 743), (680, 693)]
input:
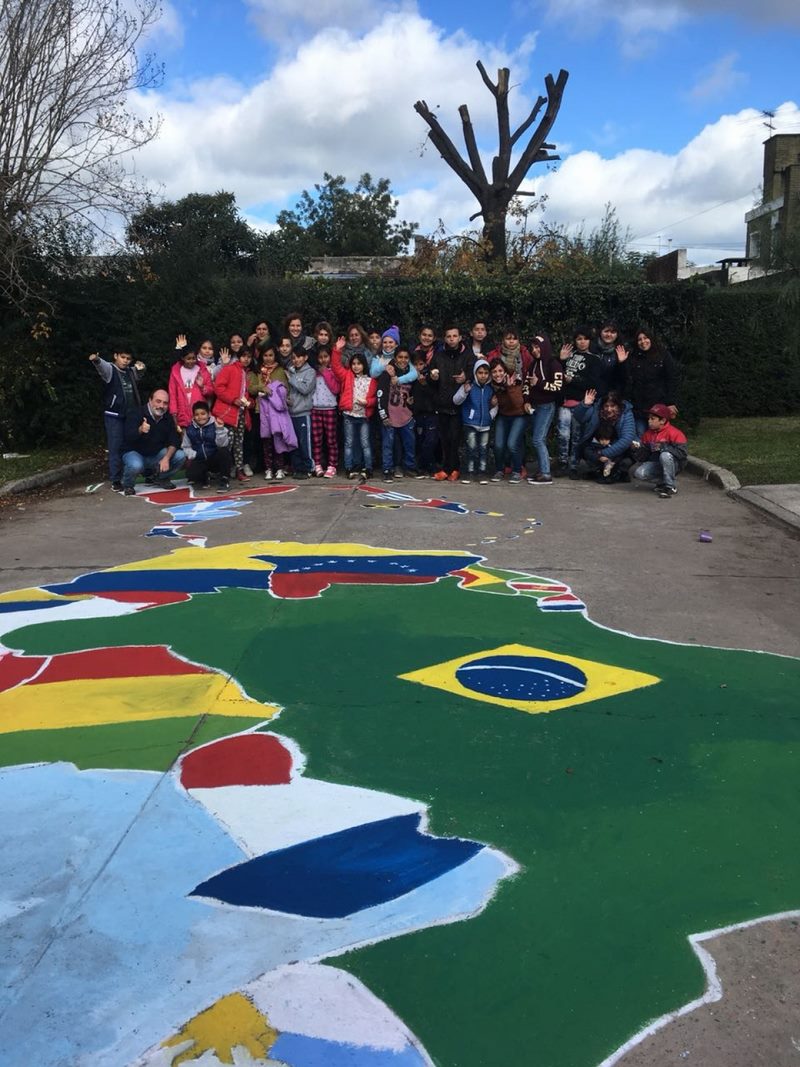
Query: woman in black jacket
[(651, 376)]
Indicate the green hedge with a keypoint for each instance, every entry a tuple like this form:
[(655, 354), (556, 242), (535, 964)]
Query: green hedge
[(738, 348)]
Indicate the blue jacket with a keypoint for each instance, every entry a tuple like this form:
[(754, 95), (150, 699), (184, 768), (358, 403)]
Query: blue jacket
[(476, 410), (589, 417), (204, 440)]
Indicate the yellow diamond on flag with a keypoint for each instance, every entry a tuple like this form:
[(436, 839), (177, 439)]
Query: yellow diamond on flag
[(530, 679)]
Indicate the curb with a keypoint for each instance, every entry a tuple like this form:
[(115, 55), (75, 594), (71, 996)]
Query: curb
[(721, 477), (57, 474), (751, 496)]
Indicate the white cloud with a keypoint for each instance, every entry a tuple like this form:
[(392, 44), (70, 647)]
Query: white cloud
[(341, 103), (696, 197), (718, 80), (640, 23)]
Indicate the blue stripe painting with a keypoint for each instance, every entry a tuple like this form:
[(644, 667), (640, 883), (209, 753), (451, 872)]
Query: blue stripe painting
[(428, 566), (301, 1051), (343, 873)]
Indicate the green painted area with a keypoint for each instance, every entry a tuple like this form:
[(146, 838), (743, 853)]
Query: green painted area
[(636, 819)]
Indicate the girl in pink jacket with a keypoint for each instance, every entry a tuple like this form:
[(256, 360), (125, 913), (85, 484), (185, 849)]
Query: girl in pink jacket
[(189, 381)]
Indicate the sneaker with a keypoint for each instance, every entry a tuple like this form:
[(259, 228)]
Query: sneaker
[(497, 476), (484, 478), (223, 485), (129, 491), (164, 483), (318, 471), (421, 474), (267, 475), (248, 470), (410, 472), (399, 474), (440, 476), (280, 474), (330, 472), (452, 476), (665, 492), (353, 474), (515, 477), (117, 487), (467, 479), (388, 476), (301, 476), (241, 476), (540, 479)]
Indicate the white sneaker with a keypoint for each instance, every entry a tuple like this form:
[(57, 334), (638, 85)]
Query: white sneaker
[(267, 475), (247, 470), (279, 475)]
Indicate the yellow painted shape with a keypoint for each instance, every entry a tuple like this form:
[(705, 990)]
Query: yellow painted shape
[(232, 1022), (602, 679), (43, 595), (242, 556), (481, 577), (100, 701)]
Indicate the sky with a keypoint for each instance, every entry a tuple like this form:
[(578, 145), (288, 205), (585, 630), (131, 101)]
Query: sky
[(663, 115)]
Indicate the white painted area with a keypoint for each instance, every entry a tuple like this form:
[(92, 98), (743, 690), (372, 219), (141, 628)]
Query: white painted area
[(9, 909), (264, 818), (329, 1004), (713, 991), (93, 608)]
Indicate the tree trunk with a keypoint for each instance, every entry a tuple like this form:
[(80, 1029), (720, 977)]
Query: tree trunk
[(494, 233)]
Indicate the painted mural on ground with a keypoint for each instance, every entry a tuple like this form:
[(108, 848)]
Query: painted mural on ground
[(224, 767), (185, 508)]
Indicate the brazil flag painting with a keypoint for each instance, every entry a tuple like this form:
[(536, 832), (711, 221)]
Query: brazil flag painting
[(345, 805)]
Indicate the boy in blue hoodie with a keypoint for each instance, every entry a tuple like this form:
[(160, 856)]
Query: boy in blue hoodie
[(478, 405)]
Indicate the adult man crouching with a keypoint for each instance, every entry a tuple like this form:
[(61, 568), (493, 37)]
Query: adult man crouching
[(153, 445)]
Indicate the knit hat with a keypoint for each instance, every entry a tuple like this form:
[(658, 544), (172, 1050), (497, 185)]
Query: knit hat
[(393, 332), (661, 410)]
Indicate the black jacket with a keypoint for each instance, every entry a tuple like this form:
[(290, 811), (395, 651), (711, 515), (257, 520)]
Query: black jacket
[(162, 432), (449, 363)]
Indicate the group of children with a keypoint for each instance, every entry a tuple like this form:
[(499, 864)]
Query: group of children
[(294, 401)]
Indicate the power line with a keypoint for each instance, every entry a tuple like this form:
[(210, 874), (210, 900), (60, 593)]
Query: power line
[(697, 214)]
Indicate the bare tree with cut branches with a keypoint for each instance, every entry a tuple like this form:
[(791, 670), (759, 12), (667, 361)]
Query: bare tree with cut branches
[(67, 68), (495, 193)]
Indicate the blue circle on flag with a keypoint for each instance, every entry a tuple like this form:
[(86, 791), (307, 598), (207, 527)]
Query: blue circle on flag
[(518, 677)]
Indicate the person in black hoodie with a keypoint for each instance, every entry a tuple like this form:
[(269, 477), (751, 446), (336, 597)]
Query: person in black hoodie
[(448, 370), (426, 421), (120, 395), (651, 378), (581, 369)]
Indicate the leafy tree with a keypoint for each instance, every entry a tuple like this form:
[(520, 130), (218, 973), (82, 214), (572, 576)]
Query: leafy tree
[(199, 228), (337, 221), (66, 69)]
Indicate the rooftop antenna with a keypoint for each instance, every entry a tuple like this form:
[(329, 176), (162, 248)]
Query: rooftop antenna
[(769, 116)]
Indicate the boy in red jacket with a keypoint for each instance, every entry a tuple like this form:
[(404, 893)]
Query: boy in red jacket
[(662, 452)]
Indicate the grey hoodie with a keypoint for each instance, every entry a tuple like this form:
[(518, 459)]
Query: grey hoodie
[(302, 383)]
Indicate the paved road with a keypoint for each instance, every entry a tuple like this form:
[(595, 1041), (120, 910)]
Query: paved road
[(633, 558)]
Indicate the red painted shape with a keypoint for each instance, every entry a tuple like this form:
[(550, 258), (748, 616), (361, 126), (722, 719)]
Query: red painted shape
[(148, 597), (465, 576), (540, 587), (15, 669), (247, 759), (170, 497), (129, 661), (560, 598), (302, 586)]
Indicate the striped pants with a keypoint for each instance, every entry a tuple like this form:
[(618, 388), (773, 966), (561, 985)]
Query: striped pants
[(323, 432)]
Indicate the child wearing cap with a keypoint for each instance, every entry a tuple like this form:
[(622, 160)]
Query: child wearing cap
[(662, 452)]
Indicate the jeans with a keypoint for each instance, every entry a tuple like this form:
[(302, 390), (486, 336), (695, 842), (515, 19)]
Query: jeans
[(569, 434), (301, 456), (357, 447), (115, 438), (134, 464), (426, 429), (477, 447), (406, 436), (540, 423), (509, 434), (662, 468)]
